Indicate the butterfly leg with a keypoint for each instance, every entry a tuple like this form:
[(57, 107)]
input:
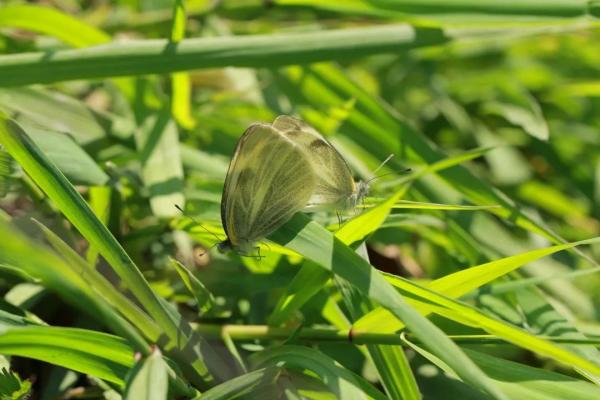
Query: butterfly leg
[(258, 252)]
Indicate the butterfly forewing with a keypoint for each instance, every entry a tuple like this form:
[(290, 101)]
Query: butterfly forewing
[(335, 184), (269, 179)]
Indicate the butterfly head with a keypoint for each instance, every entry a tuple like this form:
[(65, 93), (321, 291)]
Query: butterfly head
[(225, 246), (361, 190), (243, 248)]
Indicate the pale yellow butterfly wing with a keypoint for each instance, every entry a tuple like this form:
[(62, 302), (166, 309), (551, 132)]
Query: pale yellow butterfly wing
[(269, 179), (335, 185)]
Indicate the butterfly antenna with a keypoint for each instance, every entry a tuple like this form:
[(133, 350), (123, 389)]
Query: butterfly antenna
[(389, 173), (199, 224), (209, 249), (383, 163)]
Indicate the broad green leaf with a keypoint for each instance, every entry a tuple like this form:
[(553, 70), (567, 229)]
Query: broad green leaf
[(55, 111), (148, 380), (71, 159), (157, 141)]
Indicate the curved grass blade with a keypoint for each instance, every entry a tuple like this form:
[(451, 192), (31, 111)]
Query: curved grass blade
[(57, 187), (462, 282), (318, 245), (342, 382), (105, 356), (52, 22)]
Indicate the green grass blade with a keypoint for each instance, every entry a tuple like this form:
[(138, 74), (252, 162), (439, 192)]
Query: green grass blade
[(522, 382), (306, 283), (402, 8), (180, 81), (418, 205), (105, 356), (56, 186), (462, 282), (68, 156), (141, 57), (248, 383), (391, 363), (317, 244), (311, 278), (342, 382), (543, 319), (204, 298), (58, 276), (104, 289), (52, 22)]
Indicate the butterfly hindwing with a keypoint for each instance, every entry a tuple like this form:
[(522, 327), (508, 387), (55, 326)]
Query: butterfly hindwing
[(335, 184), (269, 179)]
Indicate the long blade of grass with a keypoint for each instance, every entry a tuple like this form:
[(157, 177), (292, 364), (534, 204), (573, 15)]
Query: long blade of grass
[(390, 361), (342, 382), (317, 244), (105, 356), (74, 207), (399, 8), (462, 282), (102, 287), (139, 57)]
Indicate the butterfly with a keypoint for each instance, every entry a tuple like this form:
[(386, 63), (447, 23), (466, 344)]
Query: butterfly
[(335, 188), (270, 178)]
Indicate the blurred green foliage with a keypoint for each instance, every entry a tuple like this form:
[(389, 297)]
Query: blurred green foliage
[(498, 108)]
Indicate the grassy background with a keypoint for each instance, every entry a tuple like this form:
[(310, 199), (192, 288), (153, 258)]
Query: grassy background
[(474, 276)]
